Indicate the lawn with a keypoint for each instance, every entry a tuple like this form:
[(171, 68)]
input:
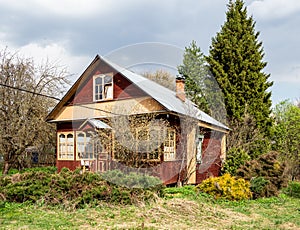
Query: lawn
[(183, 211)]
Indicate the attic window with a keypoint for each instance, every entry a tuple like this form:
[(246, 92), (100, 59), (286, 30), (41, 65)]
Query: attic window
[(103, 87)]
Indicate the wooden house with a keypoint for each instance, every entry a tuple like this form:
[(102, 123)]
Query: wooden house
[(114, 118)]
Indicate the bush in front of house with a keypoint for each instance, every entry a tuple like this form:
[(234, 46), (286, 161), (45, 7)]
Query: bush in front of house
[(266, 174), (257, 186), (235, 157), (226, 187), (293, 189), (132, 179), (69, 189)]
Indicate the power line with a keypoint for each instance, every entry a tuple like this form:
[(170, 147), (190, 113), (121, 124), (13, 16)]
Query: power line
[(28, 91), (55, 98)]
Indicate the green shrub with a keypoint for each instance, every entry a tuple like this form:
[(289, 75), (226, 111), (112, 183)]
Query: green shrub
[(235, 157), (180, 192), (293, 189), (72, 189), (132, 179), (268, 167), (227, 187), (48, 169), (257, 186)]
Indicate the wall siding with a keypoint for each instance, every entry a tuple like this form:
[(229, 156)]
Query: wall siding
[(122, 88), (211, 162)]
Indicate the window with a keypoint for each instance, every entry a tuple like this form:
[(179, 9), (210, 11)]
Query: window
[(84, 146), (65, 146), (199, 141), (170, 145), (148, 143), (103, 87)]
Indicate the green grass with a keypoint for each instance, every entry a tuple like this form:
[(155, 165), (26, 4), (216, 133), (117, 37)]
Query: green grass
[(189, 211)]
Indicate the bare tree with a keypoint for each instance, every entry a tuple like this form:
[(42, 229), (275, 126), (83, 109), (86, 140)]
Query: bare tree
[(23, 108), (162, 77), (138, 139)]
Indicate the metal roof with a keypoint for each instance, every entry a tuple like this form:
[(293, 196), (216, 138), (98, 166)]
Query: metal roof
[(96, 124), (166, 97)]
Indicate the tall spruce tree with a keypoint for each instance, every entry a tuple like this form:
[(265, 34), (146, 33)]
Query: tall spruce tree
[(194, 71), (236, 61)]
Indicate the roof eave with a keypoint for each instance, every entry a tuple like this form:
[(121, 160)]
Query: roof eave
[(68, 95)]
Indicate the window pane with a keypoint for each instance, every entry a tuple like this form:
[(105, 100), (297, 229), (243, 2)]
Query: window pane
[(108, 91), (107, 79), (70, 137), (98, 80), (170, 146), (62, 138)]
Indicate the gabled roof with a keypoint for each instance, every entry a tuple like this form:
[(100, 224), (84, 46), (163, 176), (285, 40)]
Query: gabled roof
[(166, 97), (96, 124)]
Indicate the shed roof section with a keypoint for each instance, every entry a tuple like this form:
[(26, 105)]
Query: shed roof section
[(96, 124)]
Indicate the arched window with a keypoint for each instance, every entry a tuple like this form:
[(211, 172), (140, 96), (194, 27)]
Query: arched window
[(65, 146), (84, 146), (103, 87)]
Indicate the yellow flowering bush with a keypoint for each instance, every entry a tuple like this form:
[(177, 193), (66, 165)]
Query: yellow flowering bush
[(227, 187)]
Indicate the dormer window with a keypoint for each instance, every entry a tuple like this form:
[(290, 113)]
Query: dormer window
[(103, 87)]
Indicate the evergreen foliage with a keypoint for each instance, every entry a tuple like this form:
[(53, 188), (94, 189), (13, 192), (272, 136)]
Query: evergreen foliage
[(235, 157), (194, 71), (236, 61), (74, 189), (200, 86), (266, 174)]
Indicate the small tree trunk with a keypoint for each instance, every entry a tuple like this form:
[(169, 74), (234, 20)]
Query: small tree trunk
[(6, 167)]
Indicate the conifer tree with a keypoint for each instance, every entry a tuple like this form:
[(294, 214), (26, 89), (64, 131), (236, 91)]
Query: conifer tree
[(194, 71), (236, 61)]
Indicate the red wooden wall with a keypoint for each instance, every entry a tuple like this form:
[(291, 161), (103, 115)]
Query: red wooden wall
[(211, 152), (122, 88)]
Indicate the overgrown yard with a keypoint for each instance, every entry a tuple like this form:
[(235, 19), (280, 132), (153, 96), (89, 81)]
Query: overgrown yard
[(191, 212), (43, 199)]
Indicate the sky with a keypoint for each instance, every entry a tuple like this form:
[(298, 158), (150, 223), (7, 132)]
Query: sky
[(131, 33)]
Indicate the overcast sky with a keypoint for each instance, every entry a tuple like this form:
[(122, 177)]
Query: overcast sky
[(72, 32)]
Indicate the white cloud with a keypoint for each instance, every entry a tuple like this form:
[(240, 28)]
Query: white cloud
[(56, 54), (274, 9), (68, 8)]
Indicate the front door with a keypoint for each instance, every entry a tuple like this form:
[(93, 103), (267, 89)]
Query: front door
[(103, 153)]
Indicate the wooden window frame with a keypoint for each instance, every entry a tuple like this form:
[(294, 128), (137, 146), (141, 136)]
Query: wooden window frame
[(66, 145), (169, 149), (199, 143), (84, 146), (104, 88), (168, 154), (149, 147)]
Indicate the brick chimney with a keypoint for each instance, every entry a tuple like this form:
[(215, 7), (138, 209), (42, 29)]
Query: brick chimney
[(180, 88)]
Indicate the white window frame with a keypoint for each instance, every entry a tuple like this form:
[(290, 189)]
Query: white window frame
[(68, 154), (199, 142), (106, 92), (170, 146), (85, 142)]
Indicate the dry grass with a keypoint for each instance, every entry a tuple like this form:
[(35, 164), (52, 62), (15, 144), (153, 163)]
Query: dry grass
[(176, 213)]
